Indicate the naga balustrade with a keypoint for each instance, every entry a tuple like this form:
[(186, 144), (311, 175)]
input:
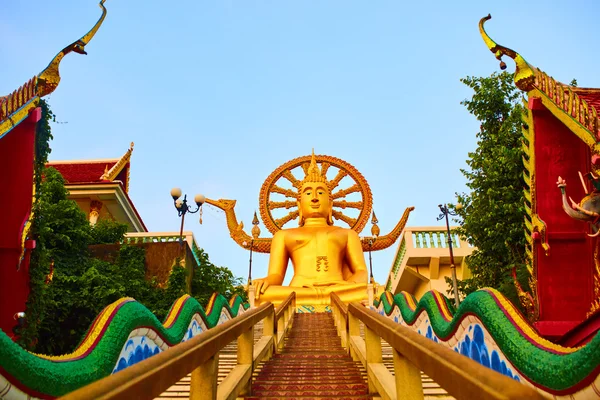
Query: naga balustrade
[(460, 376), (200, 356)]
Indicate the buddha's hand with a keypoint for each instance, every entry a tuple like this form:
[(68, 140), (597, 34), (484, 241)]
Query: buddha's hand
[(260, 286)]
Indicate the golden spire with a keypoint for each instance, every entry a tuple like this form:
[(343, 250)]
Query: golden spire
[(255, 228), (524, 74), (375, 229), (313, 174)]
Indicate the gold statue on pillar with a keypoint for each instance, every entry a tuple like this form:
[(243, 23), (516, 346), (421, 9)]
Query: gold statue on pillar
[(325, 258)]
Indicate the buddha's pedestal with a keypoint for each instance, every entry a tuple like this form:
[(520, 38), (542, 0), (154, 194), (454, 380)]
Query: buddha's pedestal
[(314, 298)]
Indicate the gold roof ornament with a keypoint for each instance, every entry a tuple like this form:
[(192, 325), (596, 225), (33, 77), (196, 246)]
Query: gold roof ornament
[(15, 106), (524, 74), (111, 174), (49, 78)]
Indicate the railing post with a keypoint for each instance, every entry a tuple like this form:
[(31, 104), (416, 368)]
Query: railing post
[(286, 318), (373, 350), (408, 378), (280, 333), (269, 329), (204, 380), (251, 295), (245, 353), (342, 329), (353, 330)]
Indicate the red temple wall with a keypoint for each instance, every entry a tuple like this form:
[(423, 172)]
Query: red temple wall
[(565, 281), (16, 174)]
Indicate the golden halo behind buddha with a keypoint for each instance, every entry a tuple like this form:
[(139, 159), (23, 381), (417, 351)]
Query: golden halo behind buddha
[(283, 183)]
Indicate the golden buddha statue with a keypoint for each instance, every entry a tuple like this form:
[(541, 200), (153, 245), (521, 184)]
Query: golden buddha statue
[(325, 258)]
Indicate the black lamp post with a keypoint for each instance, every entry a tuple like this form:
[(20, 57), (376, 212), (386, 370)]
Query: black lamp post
[(445, 212), (251, 246), (183, 208), (370, 242)]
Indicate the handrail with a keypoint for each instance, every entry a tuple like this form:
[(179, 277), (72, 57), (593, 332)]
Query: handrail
[(341, 306), (284, 315), (154, 375), (279, 312), (462, 377), (339, 309)]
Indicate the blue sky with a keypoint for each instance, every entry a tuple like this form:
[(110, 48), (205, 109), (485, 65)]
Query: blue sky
[(216, 95)]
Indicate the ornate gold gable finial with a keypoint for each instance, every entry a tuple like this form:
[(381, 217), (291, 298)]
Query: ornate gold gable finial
[(111, 174), (524, 74), (49, 78)]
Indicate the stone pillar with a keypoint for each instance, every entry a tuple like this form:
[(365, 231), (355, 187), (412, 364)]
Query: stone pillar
[(95, 207), (251, 294)]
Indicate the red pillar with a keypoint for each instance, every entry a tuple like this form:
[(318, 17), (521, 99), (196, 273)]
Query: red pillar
[(565, 275), (17, 154)]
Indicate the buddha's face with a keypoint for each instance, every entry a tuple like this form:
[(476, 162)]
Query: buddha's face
[(315, 201)]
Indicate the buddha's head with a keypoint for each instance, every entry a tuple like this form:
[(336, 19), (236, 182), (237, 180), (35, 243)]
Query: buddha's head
[(314, 196)]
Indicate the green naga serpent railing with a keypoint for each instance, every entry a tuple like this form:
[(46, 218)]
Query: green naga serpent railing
[(200, 356), (124, 333), (488, 329), (412, 353)]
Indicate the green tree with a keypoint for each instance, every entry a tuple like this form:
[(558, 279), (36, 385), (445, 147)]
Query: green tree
[(492, 216), (209, 278), (68, 287)]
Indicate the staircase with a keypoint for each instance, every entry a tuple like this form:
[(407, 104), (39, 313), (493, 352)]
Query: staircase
[(312, 364), (431, 390), (227, 360)]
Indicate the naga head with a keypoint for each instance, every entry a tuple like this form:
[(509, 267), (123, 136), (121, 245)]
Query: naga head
[(78, 47)]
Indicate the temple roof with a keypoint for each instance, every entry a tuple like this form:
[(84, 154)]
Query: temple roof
[(590, 95), (96, 171), (105, 180), (577, 108)]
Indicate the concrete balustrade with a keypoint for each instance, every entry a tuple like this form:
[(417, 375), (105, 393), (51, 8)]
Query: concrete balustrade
[(200, 356), (422, 261), (462, 377)]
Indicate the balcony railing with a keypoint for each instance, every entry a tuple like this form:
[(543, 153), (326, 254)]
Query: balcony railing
[(158, 237), (418, 243)]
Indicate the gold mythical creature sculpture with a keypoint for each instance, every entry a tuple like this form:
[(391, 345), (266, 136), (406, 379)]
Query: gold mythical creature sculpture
[(325, 258), (49, 78)]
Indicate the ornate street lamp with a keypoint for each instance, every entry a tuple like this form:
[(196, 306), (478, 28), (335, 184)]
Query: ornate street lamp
[(183, 208), (444, 214)]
